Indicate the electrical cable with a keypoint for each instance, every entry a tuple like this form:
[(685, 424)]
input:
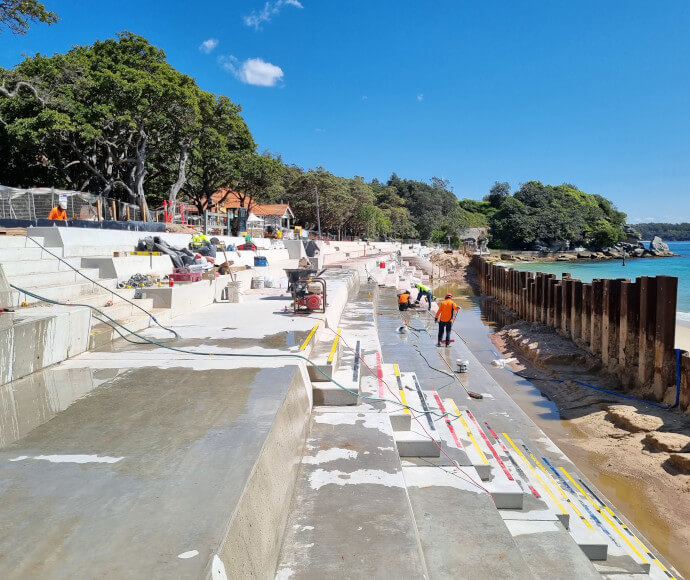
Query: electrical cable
[(110, 290)]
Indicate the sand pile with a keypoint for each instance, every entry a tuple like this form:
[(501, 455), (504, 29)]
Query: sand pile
[(454, 261)]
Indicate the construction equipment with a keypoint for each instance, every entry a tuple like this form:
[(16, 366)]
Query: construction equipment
[(308, 290)]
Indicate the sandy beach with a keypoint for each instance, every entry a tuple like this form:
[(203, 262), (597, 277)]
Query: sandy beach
[(683, 334)]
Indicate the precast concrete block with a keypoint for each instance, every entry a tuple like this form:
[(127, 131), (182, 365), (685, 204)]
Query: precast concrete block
[(549, 551), (462, 534), (416, 444)]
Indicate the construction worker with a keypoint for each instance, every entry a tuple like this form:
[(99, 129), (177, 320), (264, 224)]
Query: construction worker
[(404, 300), (59, 212), (445, 315), (424, 291)]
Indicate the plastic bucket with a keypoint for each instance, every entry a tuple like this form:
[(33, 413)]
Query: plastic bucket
[(463, 365), (234, 291), (258, 282)]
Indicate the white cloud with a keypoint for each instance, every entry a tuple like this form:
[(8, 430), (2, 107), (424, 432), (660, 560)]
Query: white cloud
[(253, 71), (270, 9), (208, 46), (420, 97)]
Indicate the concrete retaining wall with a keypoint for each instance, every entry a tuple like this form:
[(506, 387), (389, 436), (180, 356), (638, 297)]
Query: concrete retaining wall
[(40, 337), (631, 326)]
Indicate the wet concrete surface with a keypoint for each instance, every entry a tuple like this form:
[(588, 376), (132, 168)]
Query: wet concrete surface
[(133, 474)]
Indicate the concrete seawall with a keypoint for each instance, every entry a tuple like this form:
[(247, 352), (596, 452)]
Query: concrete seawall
[(629, 325)]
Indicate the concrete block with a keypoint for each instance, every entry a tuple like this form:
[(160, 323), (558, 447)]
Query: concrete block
[(23, 254), (549, 551), (38, 278), (351, 517), (213, 469), (123, 268), (455, 543), (18, 242), (507, 493), (416, 444)]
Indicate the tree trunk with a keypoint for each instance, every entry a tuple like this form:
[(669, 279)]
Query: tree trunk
[(141, 174), (181, 176)]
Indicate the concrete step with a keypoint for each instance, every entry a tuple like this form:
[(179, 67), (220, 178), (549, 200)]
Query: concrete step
[(181, 469), (39, 278), (18, 242), (416, 444), (48, 264), (330, 394), (27, 253), (102, 334), (461, 533), (326, 354), (67, 293), (549, 551), (350, 515)]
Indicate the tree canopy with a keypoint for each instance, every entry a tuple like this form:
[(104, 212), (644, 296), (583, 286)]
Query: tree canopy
[(17, 15), (672, 232), (550, 215), (115, 118)]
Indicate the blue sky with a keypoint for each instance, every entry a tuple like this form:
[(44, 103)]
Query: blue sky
[(592, 92)]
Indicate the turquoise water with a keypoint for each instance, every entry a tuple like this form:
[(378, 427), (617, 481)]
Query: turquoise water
[(587, 271)]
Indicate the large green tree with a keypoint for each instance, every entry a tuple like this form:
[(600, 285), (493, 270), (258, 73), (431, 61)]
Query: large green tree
[(113, 117)]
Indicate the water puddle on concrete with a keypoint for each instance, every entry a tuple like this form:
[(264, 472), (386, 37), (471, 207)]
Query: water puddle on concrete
[(628, 495)]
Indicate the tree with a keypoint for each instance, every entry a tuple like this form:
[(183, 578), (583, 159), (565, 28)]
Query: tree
[(336, 200), (498, 193), (16, 15), (374, 220), (113, 117), (430, 206)]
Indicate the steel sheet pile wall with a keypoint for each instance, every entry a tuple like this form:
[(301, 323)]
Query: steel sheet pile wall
[(631, 326)]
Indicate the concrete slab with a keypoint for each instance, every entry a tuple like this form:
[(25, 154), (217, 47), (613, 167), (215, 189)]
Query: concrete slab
[(153, 456), (462, 534), (549, 551), (351, 516)]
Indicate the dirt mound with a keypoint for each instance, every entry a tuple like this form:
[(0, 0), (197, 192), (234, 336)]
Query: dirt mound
[(627, 417), (454, 261)]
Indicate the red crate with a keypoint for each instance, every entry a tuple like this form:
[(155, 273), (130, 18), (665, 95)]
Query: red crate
[(185, 277)]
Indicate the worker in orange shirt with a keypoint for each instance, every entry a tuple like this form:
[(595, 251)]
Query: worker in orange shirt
[(404, 300), (59, 212), (445, 315)]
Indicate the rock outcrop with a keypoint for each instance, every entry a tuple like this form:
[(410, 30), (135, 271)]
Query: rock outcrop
[(657, 245)]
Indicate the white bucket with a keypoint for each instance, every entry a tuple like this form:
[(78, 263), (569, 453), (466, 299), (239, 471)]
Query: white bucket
[(258, 282), (234, 295), (463, 365)]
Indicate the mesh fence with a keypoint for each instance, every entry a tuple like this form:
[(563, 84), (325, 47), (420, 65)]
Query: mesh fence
[(31, 204)]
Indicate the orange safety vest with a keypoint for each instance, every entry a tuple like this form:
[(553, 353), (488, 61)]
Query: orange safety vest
[(446, 309), (404, 298), (57, 213)]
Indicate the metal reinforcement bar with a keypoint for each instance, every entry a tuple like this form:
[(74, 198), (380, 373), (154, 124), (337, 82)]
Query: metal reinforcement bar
[(630, 326)]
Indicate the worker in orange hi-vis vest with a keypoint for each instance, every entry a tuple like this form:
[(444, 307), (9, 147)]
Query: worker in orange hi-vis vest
[(445, 315), (59, 212)]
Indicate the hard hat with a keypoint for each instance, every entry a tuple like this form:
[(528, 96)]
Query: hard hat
[(63, 204), (449, 296), (247, 238)]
